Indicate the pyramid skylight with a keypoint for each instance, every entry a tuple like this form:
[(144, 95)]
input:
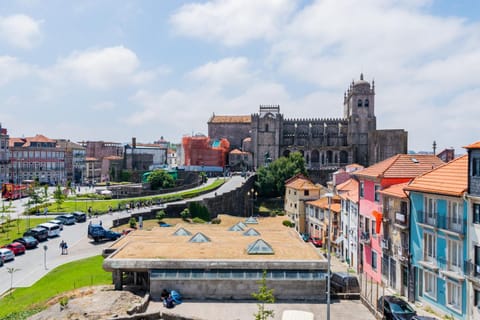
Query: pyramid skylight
[(199, 237), (259, 247), (235, 227), (182, 232), (251, 220), (251, 232), (242, 225)]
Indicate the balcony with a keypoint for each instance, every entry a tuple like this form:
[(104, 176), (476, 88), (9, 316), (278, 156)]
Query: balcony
[(454, 225), (428, 219), (472, 271), (449, 268), (365, 238), (401, 219)]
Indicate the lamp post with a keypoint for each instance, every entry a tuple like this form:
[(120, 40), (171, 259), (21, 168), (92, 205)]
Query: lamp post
[(329, 196), (45, 248), (252, 195)]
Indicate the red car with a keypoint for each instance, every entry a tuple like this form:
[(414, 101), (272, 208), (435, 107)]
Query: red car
[(317, 242), (16, 247)]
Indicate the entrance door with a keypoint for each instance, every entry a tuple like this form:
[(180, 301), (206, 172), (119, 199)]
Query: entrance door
[(393, 273), (404, 275)]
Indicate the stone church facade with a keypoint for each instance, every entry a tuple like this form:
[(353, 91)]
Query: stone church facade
[(326, 143)]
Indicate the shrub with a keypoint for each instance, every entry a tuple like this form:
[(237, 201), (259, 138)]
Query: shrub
[(198, 220), (199, 210), (216, 221), (288, 223), (132, 222), (185, 214), (63, 302), (161, 215), (273, 213), (280, 213)]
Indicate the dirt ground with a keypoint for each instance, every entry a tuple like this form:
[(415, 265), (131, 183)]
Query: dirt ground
[(99, 302)]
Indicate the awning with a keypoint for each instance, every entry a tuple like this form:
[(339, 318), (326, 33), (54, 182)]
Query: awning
[(378, 220)]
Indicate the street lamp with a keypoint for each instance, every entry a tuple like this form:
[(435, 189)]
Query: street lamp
[(329, 196), (252, 195)]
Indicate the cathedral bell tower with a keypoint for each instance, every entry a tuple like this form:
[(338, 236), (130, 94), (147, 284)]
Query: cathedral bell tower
[(359, 110)]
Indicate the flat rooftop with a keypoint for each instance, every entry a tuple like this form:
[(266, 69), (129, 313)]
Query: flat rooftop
[(161, 243)]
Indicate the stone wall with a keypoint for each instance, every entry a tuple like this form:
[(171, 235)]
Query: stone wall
[(233, 132)]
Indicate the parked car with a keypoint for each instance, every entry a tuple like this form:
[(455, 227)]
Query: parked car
[(6, 254), (316, 241), (345, 285), (79, 216), (16, 247), (28, 242), (67, 219), (60, 224), (41, 234), (395, 308), (305, 236), (423, 318)]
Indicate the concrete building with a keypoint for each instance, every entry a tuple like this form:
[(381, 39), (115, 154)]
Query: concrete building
[(327, 144), (298, 190), (472, 265), (135, 155), (37, 158), (93, 170), (221, 262), (239, 160), (4, 156), (75, 155), (348, 193)]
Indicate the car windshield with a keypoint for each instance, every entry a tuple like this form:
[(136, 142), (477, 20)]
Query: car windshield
[(401, 307)]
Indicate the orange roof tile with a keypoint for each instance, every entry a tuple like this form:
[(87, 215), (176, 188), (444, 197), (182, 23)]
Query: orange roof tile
[(322, 203), (396, 190), (112, 158), (299, 182), (349, 190), (449, 179), (236, 151), (230, 119), (91, 159), (475, 145), (401, 166)]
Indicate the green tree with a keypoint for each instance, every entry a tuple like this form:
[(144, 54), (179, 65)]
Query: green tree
[(185, 214), (160, 179), (59, 197), (161, 215), (263, 295), (271, 179)]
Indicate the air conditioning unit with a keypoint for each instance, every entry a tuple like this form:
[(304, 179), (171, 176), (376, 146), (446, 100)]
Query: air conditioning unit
[(385, 244)]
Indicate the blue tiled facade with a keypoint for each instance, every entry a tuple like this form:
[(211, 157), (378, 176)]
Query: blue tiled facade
[(438, 242)]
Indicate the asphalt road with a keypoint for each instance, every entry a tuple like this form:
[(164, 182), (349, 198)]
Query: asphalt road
[(33, 265)]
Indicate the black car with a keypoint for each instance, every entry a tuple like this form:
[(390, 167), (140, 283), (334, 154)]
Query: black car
[(345, 285), (79, 216), (41, 234), (28, 242), (395, 308)]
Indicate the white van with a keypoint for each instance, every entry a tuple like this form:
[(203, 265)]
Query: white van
[(297, 315), (53, 229)]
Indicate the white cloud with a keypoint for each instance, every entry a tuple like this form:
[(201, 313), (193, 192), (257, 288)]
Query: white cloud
[(225, 72), (233, 22), (11, 69), (20, 31), (102, 68)]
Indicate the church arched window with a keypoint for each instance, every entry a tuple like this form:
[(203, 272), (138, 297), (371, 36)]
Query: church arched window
[(366, 103), (266, 127), (359, 103)]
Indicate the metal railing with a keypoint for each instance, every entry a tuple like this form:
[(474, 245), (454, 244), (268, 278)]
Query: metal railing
[(454, 224)]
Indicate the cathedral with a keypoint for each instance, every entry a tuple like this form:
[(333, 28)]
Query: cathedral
[(326, 143)]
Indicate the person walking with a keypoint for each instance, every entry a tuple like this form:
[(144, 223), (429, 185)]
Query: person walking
[(62, 246)]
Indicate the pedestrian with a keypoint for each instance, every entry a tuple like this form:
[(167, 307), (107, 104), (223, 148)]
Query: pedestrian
[(45, 211), (100, 222), (62, 246)]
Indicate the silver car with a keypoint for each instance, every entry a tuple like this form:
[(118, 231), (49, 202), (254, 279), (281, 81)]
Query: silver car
[(6, 254)]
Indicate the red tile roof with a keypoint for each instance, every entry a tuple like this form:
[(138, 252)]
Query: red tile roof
[(475, 145), (401, 166), (348, 190), (449, 179), (230, 119), (236, 151), (396, 190), (322, 203), (299, 182)]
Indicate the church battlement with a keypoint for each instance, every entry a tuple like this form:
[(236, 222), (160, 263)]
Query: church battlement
[(315, 121)]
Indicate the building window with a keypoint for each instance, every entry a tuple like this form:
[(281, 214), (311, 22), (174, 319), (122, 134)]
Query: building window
[(377, 193), (362, 189), (430, 246), (476, 167), (359, 103), (454, 249), (266, 127), (454, 216), (429, 284), (430, 208), (476, 298), (454, 295), (306, 193), (366, 103), (476, 213), (374, 260), (374, 228)]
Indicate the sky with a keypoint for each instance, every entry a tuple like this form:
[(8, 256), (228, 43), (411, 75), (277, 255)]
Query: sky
[(112, 70)]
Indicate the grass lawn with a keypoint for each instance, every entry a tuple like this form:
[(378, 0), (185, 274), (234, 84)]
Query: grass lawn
[(15, 228), (102, 206), (26, 301)]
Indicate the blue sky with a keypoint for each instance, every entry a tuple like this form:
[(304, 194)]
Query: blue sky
[(112, 70)]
